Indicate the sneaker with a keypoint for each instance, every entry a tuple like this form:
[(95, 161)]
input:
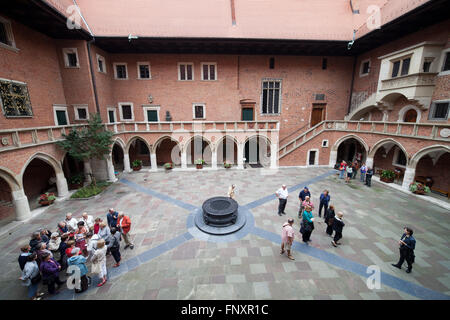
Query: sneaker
[(40, 294), (281, 251), (334, 244), (36, 298), (132, 247), (291, 257), (126, 246), (394, 265)]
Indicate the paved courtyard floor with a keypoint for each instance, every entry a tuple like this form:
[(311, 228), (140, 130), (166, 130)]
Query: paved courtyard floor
[(170, 261)]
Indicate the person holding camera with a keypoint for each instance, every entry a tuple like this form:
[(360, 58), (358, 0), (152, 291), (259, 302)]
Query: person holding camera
[(407, 245)]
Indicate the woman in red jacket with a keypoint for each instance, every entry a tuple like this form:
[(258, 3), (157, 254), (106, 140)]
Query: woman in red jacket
[(124, 225)]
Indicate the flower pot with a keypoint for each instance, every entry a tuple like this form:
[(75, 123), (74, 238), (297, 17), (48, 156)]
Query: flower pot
[(420, 192), (387, 180), (46, 202), (168, 168), (137, 168), (199, 166)]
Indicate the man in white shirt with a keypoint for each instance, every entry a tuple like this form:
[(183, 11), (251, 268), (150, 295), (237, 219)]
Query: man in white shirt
[(71, 222), (282, 195), (88, 220)]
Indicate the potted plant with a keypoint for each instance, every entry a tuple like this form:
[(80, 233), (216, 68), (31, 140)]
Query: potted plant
[(418, 188), (76, 181), (137, 165), (199, 163), (227, 165), (168, 165), (47, 198), (387, 176)]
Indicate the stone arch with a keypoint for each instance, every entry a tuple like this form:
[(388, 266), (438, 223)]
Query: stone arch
[(424, 151), (161, 139), (10, 178), (55, 164), (188, 142), (119, 142), (405, 109), (346, 137), (175, 151), (356, 114), (235, 148), (382, 142), (21, 208), (247, 153), (133, 138)]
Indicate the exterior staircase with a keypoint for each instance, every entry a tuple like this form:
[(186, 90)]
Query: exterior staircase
[(300, 139)]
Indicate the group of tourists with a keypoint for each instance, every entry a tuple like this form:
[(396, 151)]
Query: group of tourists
[(349, 171), (72, 245)]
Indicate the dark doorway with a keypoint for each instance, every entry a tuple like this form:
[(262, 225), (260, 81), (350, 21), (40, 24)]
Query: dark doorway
[(411, 116), (312, 158)]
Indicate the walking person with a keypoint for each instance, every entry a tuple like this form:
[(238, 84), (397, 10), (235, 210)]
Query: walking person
[(342, 168), (124, 225), (407, 245), (324, 200), (50, 273), (111, 217), (232, 191), (287, 238), (369, 175), (282, 195), (363, 171), (104, 231), (338, 225), (355, 168), (302, 196), (99, 262), (307, 225), (114, 246), (78, 260), (329, 220), (31, 277), (97, 224), (349, 174)]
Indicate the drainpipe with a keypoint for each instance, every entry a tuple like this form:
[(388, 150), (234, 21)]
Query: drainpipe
[(94, 85), (351, 85)]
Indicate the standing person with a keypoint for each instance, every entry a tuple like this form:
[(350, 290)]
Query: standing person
[(50, 273), (80, 261), (349, 174), (104, 231), (99, 262), (324, 200), (71, 222), (308, 202), (342, 168), (363, 171), (31, 277), (329, 220), (124, 225), (355, 168), (97, 224), (88, 221), (80, 235), (63, 229), (112, 217), (35, 241), (41, 252), (231, 191), (45, 236), (338, 225), (302, 195), (307, 224), (62, 251), (114, 246), (23, 256), (369, 175), (54, 246), (407, 245), (287, 238), (282, 195), (70, 247)]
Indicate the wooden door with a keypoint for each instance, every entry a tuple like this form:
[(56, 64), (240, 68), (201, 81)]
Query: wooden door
[(411, 116), (316, 116)]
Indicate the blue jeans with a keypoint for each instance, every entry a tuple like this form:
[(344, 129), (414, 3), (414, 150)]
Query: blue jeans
[(341, 174), (32, 289), (363, 176)]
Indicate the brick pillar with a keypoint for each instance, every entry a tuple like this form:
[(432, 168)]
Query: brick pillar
[(21, 206)]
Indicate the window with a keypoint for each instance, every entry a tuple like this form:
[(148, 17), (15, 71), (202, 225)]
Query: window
[(185, 71), (71, 58), (401, 66), (209, 71), (324, 63), (143, 70), (272, 63), (6, 35), (439, 110), (395, 68), (81, 112), (111, 115), (120, 71), (199, 111), (101, 64), (271, 94), (14, 99), (151, 113), (365, 68), (126, 111), (405, 66), (60, 115), (446, 64)]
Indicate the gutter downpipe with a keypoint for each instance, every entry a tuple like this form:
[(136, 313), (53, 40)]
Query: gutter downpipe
[(349, 46)]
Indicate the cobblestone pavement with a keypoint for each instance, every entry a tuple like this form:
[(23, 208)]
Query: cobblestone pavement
[(168, 262)]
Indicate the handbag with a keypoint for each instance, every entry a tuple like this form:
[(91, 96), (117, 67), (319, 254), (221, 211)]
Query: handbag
[(96, 268)]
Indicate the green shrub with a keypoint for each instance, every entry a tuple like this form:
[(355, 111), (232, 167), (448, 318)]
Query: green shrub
[(199, 161), (388, 174), (417, 186), (91, 190), (168, 165), (76, 179)]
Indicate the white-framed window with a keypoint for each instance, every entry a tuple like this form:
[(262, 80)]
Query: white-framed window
[(399, 158), (6, 35), (126, 111), (143, 70), (445, 63), (325, 143), (185, 71), (271, 96), (426, 67), (151, 113), (71, 58), (101, 64), (81, 111), (400, 67), (365, 68), (439, 110), (209, 71), (60, 115), (198, 111), (120, 71), (112, 118)]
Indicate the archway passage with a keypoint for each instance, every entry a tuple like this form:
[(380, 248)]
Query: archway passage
[(117, 157), (167, 151), (199, 148), (257, 152), (227, 151), (433, 169), (139, 151), (7, 212), (351, 150), (390, 156), (39, 177), (410, 116), (72, 168)]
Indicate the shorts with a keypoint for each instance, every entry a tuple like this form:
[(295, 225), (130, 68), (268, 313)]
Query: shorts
[(287, 245)]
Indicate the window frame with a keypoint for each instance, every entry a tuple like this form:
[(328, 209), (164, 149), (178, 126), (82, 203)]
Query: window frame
[(101, 58), (442, 63), (60, 107), (361, 68), (433, 108), (400, 67), (108, 109), (9, 35), (120, 104), (179, 72), (66, 51), (209, 71), (193, 111), (76, 107), (147, 107), (280, 98), (115, 64), (143, 63)]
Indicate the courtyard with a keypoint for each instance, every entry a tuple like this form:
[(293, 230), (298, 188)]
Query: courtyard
[(173, 260)]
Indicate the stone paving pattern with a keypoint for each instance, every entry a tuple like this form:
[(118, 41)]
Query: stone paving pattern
[(252, 268)]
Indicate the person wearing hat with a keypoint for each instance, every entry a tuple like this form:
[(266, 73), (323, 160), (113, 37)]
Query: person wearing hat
[(80, 261), (302, 196), (282, 195), (287, 238)]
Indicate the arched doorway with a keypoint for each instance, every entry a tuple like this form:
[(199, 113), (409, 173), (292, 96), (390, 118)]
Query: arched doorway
[(117, 157), (351, 150), (199, 148), (167, 150), (390, 155), (227, 151), (410, 116), (7, 213), (13, 203), (139, 150), (257, 151), (72, 169)]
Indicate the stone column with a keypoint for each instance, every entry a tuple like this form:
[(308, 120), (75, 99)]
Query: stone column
[(214, 159), (153, 162), (333, 158), (183, 158), (410, 174), (87, 171), (369, 162), (240, 155), (21, 205), (273, 156), (61, 184), (126, 162), (110, 169)]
